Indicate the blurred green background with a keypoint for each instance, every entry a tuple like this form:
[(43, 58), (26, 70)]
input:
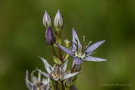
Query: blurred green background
[(22, 32)]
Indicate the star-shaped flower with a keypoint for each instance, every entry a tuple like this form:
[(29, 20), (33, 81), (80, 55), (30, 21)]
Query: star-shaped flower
[(36, 83), (57, 73), (81, 52)]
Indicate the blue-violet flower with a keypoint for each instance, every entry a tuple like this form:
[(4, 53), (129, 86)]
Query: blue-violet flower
[(36, 83), (81, 52), (57, 73)]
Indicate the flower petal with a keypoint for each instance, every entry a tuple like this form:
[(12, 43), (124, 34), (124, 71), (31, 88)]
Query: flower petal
[(33, 78), (94, 46), (43, 73), (70, 52), (47, 20), (77, 61), (74, 87), (70, 75), (90, 58), (50, 37), (64, 67), (34, 87), (48, 85), (48, 67), (75, 40), (58, 20), (28, 83), (39, 76), (76, 67)]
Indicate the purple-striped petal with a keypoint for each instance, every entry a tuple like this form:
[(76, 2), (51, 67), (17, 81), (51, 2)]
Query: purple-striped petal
[(70, 52), (75, 40), (45, 84), (94, 46), (28, 83), (43, 73), (77, 61), (48, 67), (63, 67), (66, 76), (33, 78), (74, 87), (90, 58)]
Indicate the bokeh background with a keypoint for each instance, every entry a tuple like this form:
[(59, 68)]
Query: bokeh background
[(22, 40)]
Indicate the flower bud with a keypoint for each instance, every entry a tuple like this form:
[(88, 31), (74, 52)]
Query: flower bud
[(58, 21), (67, 43), (50, 38), (47, 20)]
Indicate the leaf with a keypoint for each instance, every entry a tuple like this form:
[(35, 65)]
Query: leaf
[(65, 57), (57, 60)]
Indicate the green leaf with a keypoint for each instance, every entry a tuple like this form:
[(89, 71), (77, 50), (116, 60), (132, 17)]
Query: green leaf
[(65, 56), (57, 60)]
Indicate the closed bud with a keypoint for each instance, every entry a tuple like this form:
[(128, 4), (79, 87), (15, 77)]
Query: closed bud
[(49, 37), (67, 43), (47, 20), (58, 21)]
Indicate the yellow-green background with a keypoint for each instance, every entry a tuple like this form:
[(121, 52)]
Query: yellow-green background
[(22, 32)]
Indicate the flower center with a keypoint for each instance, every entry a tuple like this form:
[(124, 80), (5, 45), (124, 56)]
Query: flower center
[(54, 75), (80, 55)]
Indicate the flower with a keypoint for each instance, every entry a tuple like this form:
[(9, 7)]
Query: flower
[(58, 20), (49, 37), (57, 73), (36, 83), (47, 20), (81, 52)]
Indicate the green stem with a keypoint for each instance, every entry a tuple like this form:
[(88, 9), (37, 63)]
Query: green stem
[(52, 84), (63, 87), (60, 55), (54, 53), (59, 33), (59, 50), (56, 85), (70, 88)]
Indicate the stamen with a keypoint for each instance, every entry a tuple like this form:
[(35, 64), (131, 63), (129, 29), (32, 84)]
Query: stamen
[(90, 54), (39, 77), (83, 47), (84, 38), (88, 45), (93, 53), (83, 44)]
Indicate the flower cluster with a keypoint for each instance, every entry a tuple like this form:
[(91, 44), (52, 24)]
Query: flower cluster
[(56, 77)]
